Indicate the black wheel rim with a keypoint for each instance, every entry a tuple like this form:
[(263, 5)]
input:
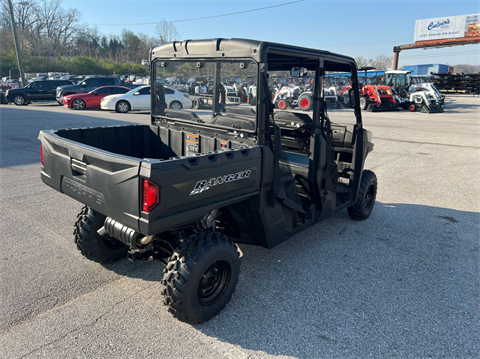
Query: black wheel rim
[(213, 282), (369, 197)]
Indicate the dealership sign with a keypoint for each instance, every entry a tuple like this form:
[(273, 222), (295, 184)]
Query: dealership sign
[(448, 27)]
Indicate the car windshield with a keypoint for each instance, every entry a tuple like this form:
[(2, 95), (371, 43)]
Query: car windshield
[(235, 102)]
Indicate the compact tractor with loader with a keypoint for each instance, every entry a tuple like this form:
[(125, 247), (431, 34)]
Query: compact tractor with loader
[(413, 94)]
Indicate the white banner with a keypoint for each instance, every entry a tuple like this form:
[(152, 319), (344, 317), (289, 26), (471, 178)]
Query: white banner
[(448, 27)]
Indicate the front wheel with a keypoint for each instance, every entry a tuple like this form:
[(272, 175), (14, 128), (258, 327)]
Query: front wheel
[(363, 206), (78, 104), (19, 100), (282, 104), (122, 107), (201, 276), (364, 102)]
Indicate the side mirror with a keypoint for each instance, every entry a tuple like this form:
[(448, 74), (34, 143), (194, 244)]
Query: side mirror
[(351, 98), (84, 84), (136, 94)]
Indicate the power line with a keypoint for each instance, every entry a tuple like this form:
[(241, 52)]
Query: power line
[(207, 17)]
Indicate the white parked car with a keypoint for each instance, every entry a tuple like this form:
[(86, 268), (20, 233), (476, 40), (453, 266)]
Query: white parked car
[(139, 100)]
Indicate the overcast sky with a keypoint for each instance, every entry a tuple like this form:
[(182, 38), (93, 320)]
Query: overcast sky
[(354, 28)]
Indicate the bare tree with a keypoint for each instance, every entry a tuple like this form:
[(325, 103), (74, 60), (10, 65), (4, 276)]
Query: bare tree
[(361, 61), (166, 32), (382, 62), (466, 68)]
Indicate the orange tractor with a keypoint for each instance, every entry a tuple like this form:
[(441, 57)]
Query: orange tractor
[(376, 97)]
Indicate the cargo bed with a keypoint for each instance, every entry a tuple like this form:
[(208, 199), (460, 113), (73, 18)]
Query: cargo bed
[(104, 167)]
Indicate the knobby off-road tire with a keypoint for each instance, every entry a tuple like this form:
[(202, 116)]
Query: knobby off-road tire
[(90, 244), (201, 276), (196, 104), (305, 102), (282, 104), (363, 206)]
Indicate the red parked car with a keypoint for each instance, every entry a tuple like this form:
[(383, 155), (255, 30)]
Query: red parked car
[(92, 99)]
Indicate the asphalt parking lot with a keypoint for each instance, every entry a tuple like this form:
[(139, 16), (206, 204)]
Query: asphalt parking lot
[(403, 284)]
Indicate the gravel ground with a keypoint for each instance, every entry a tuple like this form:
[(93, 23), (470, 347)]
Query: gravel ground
[(403, 284)]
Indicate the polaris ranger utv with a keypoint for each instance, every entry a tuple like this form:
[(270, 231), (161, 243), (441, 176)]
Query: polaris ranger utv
[(184, 189)]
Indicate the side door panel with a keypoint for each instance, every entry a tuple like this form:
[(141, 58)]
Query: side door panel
[(142, 101), (34, 92), (96, 97), (49, 89), (169, 96)]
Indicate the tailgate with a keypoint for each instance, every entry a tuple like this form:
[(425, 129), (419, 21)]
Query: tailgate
[(107, 182), (190, 187)]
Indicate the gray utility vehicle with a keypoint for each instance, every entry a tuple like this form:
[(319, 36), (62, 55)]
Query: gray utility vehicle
[(184, 189)]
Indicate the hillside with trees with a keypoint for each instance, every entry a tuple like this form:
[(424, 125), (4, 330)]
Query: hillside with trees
[(53, 39)]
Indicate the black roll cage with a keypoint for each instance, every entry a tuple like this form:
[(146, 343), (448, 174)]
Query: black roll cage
[(269, 57)]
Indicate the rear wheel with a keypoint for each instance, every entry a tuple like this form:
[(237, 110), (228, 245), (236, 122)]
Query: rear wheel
[(305, 102), (122, 107), (101, 249), (78, 104), (201, 276), (176, 105), (196, 103), (363, 206)]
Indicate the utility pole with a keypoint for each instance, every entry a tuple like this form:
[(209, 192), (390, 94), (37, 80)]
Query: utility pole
[(17, 47)]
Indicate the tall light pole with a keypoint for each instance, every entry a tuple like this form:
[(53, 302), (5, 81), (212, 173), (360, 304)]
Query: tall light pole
[(15, 38)]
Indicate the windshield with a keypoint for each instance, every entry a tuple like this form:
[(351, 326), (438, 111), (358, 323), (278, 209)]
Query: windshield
[(131, 92), (219, 93)]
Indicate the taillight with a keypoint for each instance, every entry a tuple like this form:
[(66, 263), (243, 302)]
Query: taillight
[(41, 154), (186, 95), (150, 195)]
